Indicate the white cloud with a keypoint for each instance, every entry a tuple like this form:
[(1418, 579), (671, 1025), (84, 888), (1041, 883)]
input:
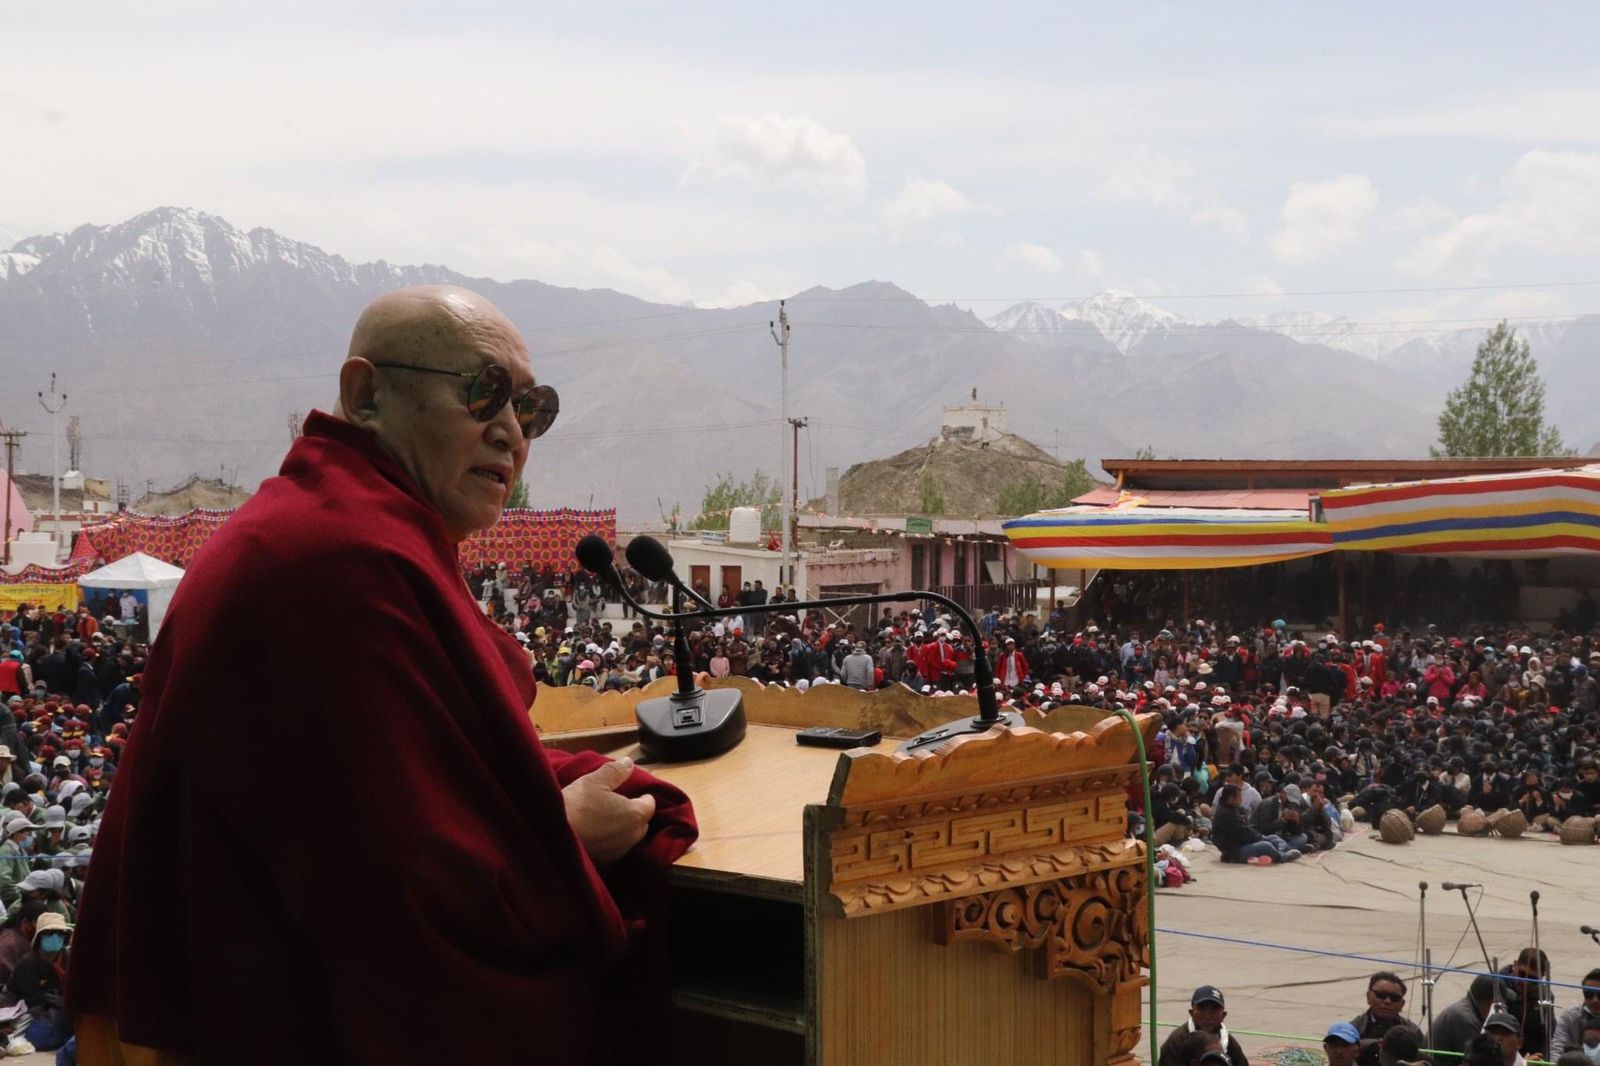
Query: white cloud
[(1033, 257), (741, 293), (1231, 222), (1522, 303), (1548, 206), (1260, 284), (1426, 213), (597, 267), (779, 149), (1320, 218), (1164, 183), (920, 201), (1560, 115), (1089, 267)]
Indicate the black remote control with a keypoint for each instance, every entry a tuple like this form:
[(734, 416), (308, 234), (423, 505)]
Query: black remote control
[(819, 736)]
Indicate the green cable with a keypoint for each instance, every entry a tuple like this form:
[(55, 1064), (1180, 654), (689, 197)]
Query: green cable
[(1149, 871)]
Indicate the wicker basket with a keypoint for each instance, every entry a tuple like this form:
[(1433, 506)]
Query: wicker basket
[(1395, 827), (1509, 823), (1431, 821), (1471, 823), (1577, 830)]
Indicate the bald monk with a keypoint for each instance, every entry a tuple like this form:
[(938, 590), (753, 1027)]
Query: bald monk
[(454, 892)]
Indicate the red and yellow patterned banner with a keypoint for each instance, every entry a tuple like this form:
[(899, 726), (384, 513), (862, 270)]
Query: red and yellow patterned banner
[(544, 538), (33, 574)]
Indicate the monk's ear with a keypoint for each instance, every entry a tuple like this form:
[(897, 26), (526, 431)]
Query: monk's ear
[(358, 391)]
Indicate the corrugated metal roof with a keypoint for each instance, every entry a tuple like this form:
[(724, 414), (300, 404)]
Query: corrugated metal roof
[(1243, 499)]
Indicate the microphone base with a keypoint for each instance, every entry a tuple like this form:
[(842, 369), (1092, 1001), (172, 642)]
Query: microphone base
[(693, 725), (961, 727)]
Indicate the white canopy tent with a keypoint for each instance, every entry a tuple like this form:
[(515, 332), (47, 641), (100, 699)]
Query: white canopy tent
[(139, 571)]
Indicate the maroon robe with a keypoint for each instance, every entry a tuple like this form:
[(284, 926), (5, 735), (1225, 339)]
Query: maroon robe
[(335, 835)]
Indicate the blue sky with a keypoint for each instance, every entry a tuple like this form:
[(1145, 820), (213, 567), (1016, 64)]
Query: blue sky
[(723, 153)]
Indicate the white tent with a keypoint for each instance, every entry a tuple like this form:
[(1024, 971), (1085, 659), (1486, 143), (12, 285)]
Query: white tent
[(139, 571)]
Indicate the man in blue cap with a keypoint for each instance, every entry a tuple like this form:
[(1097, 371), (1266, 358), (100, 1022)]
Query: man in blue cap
[(1342, 1044), (1207, 1012)]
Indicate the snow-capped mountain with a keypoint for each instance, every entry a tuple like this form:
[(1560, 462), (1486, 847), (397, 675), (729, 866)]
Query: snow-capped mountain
[(1122, 318), (1038, 322), (185, 344), (1113, 317), (1315, 327)]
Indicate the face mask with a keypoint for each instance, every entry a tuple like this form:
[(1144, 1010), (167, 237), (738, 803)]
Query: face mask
[(51, 943), (97, 761)]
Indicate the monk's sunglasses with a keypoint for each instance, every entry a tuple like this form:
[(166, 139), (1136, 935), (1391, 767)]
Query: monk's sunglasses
[(490, 389)]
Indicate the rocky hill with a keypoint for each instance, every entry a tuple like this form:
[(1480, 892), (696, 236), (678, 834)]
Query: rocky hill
[(968, 472)]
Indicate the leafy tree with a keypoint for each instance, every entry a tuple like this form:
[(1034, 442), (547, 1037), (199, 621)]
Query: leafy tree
[(1499, 410), (720, 500), (1021, 497), (1032, 494), (932, 495), (1145, 454), (519, 494)]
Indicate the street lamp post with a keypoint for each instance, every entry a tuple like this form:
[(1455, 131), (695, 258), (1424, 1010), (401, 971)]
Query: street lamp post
[(54, 406)]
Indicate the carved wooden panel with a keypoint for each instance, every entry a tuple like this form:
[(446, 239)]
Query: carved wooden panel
[(1091, 926)]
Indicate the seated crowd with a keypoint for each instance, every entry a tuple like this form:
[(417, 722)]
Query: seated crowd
[(1497, 1022), (1271, 738)]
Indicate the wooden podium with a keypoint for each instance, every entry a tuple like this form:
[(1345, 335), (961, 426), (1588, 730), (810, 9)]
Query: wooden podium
[(977, 903)]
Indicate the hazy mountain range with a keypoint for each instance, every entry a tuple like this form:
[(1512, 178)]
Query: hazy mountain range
[(184, 344)]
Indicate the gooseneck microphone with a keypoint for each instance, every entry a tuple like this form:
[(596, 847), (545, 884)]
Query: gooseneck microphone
[(691, 723), (652, 560)]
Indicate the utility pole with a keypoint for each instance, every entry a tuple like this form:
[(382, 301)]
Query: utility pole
[(780, 334), (13, 439), (791, 535), (55, 449)]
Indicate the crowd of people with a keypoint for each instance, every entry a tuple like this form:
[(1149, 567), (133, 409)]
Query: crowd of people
[(70, 682), (1497, 1022), (1271, 739)]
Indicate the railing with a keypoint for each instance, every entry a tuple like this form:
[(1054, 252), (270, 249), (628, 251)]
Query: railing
[(1017, 595)]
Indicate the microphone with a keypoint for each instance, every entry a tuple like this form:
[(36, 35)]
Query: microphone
[(1588, 930), (650, 557), (1451, 886), (594, 555), (691, 723)]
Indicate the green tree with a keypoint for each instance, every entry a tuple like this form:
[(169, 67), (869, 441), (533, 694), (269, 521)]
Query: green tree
[(519, 494), (932, 495), (1499, 410), (1031, 493), (1145, 454), (720, 500), (1021, 497)]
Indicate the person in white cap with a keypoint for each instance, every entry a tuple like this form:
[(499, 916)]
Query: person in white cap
[(16, 834)]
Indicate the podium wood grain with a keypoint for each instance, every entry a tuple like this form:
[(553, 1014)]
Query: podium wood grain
[(750, 803)]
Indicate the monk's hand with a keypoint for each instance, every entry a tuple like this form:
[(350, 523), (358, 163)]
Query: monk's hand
[(607, 825)]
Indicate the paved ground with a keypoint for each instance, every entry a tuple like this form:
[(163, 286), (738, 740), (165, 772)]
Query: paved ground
[(1362, 898)]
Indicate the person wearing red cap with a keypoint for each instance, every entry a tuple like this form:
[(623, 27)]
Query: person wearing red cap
[(486, 899)]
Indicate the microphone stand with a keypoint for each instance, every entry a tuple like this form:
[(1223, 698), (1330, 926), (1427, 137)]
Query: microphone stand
[(1427, 960), (1542, 989), (989, 713), (1499, 996)]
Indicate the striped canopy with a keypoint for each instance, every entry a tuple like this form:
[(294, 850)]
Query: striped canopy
[(1130, 537), (1530, 515)]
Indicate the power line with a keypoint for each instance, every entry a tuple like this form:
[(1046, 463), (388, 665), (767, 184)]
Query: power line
[(1210, 295)]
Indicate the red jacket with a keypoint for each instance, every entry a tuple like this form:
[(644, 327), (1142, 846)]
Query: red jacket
[(366, 852), (1016, 658), (936, 661)]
